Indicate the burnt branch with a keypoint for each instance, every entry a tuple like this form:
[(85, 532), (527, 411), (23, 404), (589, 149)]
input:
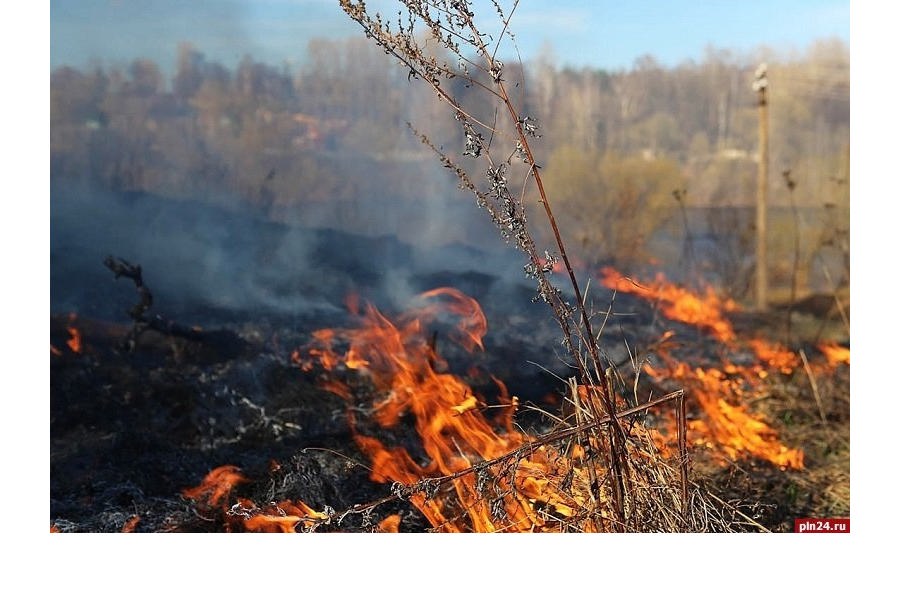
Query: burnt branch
[(138, 313), (122, 268)]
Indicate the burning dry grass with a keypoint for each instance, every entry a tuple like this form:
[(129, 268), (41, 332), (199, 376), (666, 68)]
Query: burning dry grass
[(472, 468), (452, 449), (720, 388), (784, 408), (706, 311)]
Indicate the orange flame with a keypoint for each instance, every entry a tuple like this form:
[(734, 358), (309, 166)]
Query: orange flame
[(719, 390), (473, 323), (131, 524), (390, 524), (74, 341), (214, 494), (727, 423), (279, 518), (214, 490), (454, 433), (678, 304), (775, 356), (835, 354)]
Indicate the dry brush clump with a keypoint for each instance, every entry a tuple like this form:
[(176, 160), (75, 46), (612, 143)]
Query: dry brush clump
[(626, 485)]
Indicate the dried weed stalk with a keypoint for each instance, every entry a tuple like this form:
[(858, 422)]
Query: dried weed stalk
[(440, 44)]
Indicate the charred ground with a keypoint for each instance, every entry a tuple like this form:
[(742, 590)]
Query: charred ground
[(130, 431)]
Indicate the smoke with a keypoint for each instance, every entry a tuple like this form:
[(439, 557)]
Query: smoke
[(203, 261), (194, 256)]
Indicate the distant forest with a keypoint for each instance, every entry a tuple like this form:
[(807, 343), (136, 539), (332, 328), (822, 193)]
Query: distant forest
[(628, 154)]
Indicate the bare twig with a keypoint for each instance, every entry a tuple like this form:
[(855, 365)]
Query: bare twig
[(224, 340), (451, 23), (681, 417), (837, 300), (815, 387)]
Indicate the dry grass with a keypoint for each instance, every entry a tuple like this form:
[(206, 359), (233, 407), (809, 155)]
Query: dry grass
[(602, 472), (822, 487)]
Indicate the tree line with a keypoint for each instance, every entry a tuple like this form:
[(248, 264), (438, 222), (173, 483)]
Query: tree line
[(627, 152)]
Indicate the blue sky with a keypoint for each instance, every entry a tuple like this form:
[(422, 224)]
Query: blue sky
[(602, 33)]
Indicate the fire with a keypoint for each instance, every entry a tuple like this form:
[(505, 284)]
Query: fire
[(131, 524), (283, 517), (774, 356), (74, 342), (473, 324), (720, 390), (678, 304), (214, 494), (835, 354), (390, 524), (215, 489), (459, 474), (454, 433), (726, 424)]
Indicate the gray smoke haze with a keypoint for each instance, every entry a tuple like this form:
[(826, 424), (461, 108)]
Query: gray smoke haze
[(201, 260)]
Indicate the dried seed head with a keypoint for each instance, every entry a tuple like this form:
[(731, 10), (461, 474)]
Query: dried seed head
[(520, 151), (474, 141), (482, 477), (498, 510), (496, 71), (367, 518), (431, 488), (401, 491), (529, 126)]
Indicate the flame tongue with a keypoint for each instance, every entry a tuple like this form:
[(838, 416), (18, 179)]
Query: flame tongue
[(774, 356), (677, 303), (835, 354), (727, 422), (214, 494), (215, 489), (74, 342), (453, 433), (720, 389)]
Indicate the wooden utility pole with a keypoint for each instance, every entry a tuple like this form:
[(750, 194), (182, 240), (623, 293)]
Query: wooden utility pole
[(761, 85)]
